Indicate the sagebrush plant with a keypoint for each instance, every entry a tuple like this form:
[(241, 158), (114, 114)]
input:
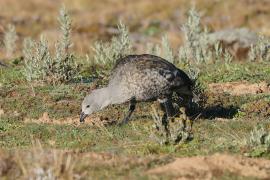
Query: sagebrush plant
[(259, 136), (154, 49), (106, 53), (36, 58), (64, 67), (261, 50), (164, 50), (167, 51), (10, 38), (60, 67), (196, 46)]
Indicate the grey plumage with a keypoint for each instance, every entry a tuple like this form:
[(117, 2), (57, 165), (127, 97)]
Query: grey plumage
[(138, 78)]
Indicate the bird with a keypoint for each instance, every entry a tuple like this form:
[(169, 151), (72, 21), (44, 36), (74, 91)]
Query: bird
[(140, 78)]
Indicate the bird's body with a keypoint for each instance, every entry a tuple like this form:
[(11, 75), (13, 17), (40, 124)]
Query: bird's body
[(139, 78), (147, 77)]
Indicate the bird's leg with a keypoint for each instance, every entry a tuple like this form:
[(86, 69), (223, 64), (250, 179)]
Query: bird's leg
[(167, 106), (132, 106), (186, 125)]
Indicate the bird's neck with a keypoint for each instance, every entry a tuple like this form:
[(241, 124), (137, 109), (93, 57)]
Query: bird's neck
[(109, 95), (103, 97)]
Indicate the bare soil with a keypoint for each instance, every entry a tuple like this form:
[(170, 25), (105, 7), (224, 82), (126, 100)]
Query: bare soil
[(207, 167), (92, 120), (62, 163), (240, 88)]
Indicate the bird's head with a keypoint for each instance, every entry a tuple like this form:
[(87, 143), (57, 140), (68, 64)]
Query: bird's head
[(94, 102), (89, 106)]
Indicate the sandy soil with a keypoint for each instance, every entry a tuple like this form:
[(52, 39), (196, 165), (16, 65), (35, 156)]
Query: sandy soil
[(207, 167), (200, 167), (92, 120), (240, 88)]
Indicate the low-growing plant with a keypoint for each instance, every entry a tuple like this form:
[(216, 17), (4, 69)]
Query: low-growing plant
[(167, 51), (10, 38), (107, 53), (36, 58), (259, 136), (39, 64), (261, 50), (258, 140), (196, 46), (164, 50)]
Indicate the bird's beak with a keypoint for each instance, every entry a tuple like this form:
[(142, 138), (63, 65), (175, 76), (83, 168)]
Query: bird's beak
[(83, 116)]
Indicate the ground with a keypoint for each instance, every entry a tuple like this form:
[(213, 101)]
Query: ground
[(50, 115), (40, 133)]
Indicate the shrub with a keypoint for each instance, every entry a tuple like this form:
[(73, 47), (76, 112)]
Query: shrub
[(10, 38), (36, 58), (154, 49), (260, 51), (39, 64), (259, 136), (196, 48), (119, 46), (258, 140), (167, 52)]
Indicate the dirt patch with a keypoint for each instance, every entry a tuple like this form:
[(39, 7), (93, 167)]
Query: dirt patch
[(240, 88), (207, 167), (71, 120), (43, 163)]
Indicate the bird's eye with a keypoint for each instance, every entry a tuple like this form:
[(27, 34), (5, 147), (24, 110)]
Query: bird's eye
[(87, 106)]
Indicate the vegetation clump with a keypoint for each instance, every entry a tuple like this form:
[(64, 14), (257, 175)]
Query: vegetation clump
[(40, 64), (10, 39), (261, 50), (120, 46)]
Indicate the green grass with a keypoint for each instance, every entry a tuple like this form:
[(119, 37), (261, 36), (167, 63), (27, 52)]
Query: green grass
[(222, 72), (237, 116), (61, 101), (132, 139)]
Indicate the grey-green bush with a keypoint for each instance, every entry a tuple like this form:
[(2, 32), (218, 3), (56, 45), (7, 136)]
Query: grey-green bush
[(120, 46), (39, 64), (10, 38), (259, 136), (261, 50)]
